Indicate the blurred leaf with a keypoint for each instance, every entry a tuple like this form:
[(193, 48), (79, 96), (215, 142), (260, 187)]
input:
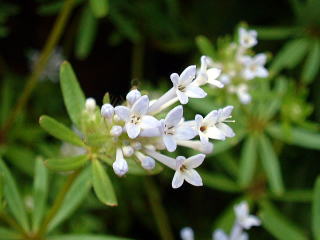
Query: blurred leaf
[(290, 55), (297, 136), (228, 162), (294, 196), (222, 146), (87, 31), (67, 163), (271, 165), (248, 161), (106, 98), (52, 8), (275, 33), (79, 190), (102, 184), (40, 192), (6, 100), (312, 64), (85, 237), (100, 8), (73, 96), (7, 234), (13, 197), (219, 181), (60, 131), (316, 210), (278, 225), (205, 46)]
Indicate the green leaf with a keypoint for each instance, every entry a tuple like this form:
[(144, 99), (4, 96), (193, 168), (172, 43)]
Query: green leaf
[(67, 163), (294, 196), (102, 184), (290, 55), (60, 131), (73, 96), (87, 31), (106, 98), (6, 99), (219, 181), (77, 193), (316, 210), (100, 8), (205, 46), (13, 197), (271, 165), (278, 225), (248, 161), (312, 64), (275, 33), (298, 136), (85, 237), (7, 234), (40, 192)]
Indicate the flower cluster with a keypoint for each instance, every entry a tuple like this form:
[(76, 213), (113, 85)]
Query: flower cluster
[(244, 221), (138, 134), (238, 66)]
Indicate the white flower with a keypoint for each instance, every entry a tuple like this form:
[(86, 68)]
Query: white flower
[(220, 235), (90, 104), (213, 125), (254, 66), (213, 74), (245, 220), (185, 171), (183, 85), (243, 94), (224, 78), (186, 233), (247, 38), (173, 129), (133, 96), (207, 75), (135, 118), (116, 131), (107, 110), (147, 162), (203, 147), (120, 166)]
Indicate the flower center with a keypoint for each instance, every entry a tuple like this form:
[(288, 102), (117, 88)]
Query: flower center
[(181, 88), (183, 168), (135, 119), (203, 128), (168, 130)]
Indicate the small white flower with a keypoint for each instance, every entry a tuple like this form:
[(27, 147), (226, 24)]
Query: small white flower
[(183, 85), (247, 38), (173, 129), (128, 151), (107, 110), (254, 66), (243, 93), (90, 104), (225, 78), (186, 233), (203, 147), (220, 235), (213, 125), (245, 220), (185, 171), (116, 131), (213, 74), (136, 118), (120, 166), (147, 162), (133, 96)]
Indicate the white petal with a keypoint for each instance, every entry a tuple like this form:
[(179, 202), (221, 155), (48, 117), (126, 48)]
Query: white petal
[(188, 75), (220, 235), (177, 180), (203, 138), (262, 72), (133, 130), (170, 143), (194, 161), (183, 98), (195, 92), (133, 96), (250, 221), (244, 97), (241, 210), (213, 73), (211, 118), (122, 112), (226, 113), (216, 83), (141, 105), (187, 234), (192, 177), (248, 74), (174, 116), (174, 79), (260, 59), (149, 122), (244, 236), (150, 132), (215, 133), (185, 132), (198, 120), (227, 131)]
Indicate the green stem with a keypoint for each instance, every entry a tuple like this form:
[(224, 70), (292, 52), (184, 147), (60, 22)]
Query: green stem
[(45, 54), (58, 202), (158, 210)]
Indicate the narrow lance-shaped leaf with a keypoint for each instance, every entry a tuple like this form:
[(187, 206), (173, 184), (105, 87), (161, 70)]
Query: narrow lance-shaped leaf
[(40, 192), (13, 197), (219, 181), (8, 234), (316, 210), (100, 8), (85, 237), (67, 163), (312, 64), (275, 33), (73, 96), (248, 161), (205, 46), (102, 184), (271, 165), (74, 197), (60, 131), (278, 225)]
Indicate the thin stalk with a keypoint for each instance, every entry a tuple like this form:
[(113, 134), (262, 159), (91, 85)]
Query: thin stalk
[(58, 202), (50, 44), (158, 210)]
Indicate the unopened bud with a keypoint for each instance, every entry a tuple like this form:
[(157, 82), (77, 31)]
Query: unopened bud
[(120, 167), (127, 151), (90, 104), (133, 96), (116, 131), (107, 110), (148, 163)]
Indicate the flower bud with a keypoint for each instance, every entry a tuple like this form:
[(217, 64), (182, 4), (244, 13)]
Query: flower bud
[(127, 151), (187, 234), (116, 131), (133, 96), (136, 145), (107, 110), (148, 163), (90, 104), (120, 167)]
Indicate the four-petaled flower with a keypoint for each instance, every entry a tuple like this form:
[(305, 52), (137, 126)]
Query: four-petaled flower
[(254, 66), (244, 219), (247, 38)]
